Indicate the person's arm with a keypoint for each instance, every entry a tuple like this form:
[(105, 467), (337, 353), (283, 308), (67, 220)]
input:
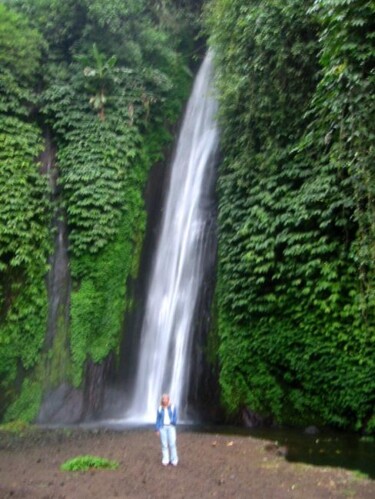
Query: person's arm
[(174, 416), (158, 421)]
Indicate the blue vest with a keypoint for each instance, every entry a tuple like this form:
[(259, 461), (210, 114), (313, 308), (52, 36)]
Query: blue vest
[(160, 416)]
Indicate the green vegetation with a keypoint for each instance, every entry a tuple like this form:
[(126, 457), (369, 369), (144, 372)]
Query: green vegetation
[(296, 208), (24, 205), (86, 463), (15, 427), (113, 81), (26, 406), (102, 84)]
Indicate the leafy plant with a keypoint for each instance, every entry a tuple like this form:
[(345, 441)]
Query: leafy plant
[(88, 462), (20, 46), (17, 427), (99, 76), (26, 406)]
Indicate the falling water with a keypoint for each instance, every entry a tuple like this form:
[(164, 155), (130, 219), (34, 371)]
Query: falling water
[(178, 268)]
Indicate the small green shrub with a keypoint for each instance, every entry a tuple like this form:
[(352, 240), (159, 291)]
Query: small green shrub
[(85, 463), (18, 427), (26, 406), (359, 475), (366, 438)]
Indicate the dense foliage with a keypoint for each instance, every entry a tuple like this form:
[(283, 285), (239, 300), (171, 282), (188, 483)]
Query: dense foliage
[(113, 81), (24, 214), (296, 208), (100, 84)]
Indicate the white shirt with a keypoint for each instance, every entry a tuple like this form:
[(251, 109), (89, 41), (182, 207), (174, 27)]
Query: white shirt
[(167, 419)]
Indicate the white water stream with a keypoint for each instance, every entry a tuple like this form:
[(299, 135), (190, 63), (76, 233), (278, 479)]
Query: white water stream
[(165, 347)]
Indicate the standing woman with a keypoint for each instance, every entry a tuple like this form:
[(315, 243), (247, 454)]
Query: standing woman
[(166, 420)]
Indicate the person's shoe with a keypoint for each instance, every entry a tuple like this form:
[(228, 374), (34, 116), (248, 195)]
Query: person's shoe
[(174, 463), (165, 463)]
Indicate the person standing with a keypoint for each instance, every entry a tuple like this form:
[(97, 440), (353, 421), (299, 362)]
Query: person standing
[(166, 420)]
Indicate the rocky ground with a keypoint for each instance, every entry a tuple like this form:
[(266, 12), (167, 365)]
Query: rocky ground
[(210, 465)]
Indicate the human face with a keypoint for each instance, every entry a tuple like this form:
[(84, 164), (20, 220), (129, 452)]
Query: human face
[(165, 401)]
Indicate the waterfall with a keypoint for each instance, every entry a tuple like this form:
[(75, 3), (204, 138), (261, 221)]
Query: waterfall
[(178, 267)]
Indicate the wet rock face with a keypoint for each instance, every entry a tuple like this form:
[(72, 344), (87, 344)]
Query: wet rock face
[(61, 405), (95, 385), (69, 405), (58, 279)]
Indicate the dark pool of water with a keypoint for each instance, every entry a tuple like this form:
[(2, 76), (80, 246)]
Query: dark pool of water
[(326, 448)]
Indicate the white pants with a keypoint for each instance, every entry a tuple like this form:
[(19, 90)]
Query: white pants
[(168, 444)]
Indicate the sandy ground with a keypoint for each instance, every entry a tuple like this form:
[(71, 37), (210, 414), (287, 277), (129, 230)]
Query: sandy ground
[(210, 465)]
